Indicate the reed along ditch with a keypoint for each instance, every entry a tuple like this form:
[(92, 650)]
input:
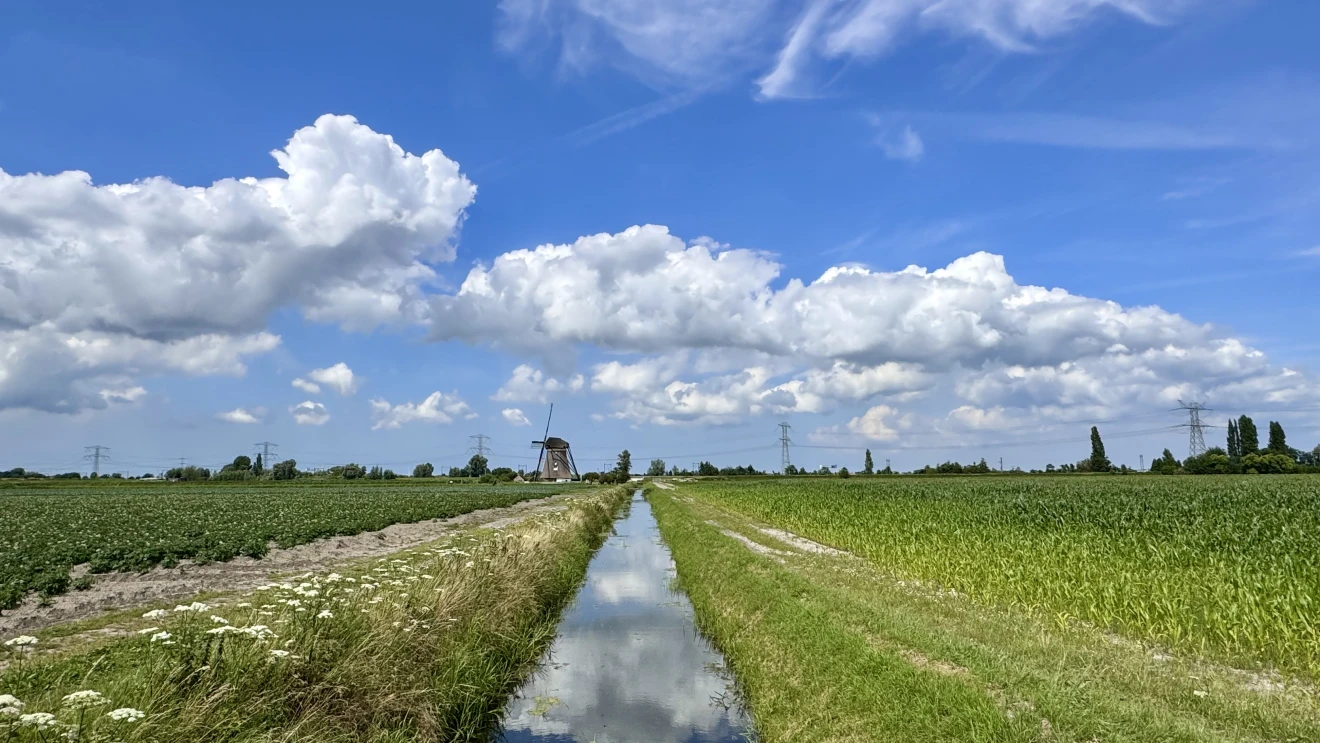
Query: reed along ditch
[(627, 662)]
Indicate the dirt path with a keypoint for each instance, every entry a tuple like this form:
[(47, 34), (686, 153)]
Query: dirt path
[(113, 591)]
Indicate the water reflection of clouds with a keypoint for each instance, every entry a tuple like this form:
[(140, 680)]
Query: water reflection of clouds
[(627, 664)]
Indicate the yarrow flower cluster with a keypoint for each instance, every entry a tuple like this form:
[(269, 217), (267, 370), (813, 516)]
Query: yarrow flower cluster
[(126, 714), (10, 707), (194, 606), (84, 700), (156, 614), (22, 641), (38, 720)]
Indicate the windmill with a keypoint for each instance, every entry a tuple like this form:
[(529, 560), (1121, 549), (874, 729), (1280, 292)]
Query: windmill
[(555, 462)]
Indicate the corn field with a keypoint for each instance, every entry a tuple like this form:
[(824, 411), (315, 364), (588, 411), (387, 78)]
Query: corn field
[(1228, 567)]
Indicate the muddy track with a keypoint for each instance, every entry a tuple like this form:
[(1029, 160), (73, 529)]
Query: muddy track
[(113, 591)]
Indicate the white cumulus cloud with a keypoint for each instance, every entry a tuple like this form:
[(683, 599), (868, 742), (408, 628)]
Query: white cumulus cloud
[(712, 335), (438, 407), (515, 417), (242, 415), (310, 388), (104, 282), (528, 384), (339, 378), (309, 413)]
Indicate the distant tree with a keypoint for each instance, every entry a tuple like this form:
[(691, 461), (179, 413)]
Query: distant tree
[(790, 470), (1278, 442), (706, 469), (189, 473), (1268, 463), (868, 465), (424, 470), (476, 466), (1099, 462), (456, 472), (657, 468), (1049, 468), (351, 471), (591, 477), (1213, 462), (376, 473), (624, 464), (241, 463), (844, 473), (1165, 464), (390, 475), (1248, 435), (1234, 441), (286, 470)]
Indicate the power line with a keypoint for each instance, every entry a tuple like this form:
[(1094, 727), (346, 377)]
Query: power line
[(95, 455), (784, 460), (1195, 429)]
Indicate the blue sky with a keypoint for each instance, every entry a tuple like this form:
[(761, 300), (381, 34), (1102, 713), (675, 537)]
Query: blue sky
[(1147, 153)]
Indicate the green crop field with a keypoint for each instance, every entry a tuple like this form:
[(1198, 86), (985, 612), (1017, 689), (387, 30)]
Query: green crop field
[(1224, 566), (129, 525)]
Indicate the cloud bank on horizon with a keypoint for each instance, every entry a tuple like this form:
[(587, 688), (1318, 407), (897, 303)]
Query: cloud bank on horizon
[(104, 287)]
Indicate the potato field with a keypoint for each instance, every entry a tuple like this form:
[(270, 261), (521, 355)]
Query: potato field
[(51, 526), (1224, 566)]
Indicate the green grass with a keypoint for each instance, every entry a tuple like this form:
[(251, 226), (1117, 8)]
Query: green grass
[(424, 645), (835, 648), (1227, 567), (132, 525)]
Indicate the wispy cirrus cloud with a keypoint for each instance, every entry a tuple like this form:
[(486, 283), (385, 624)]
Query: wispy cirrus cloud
[(690, 43)]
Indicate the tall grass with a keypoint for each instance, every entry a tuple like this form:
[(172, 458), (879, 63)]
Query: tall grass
[(1223, 566), (424, 645)]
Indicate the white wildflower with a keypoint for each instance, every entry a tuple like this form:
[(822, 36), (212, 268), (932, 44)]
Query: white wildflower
[(156, 614), (277, 653), (223, 629), (38, 720), (243, 605), (126, 714), (258, 631), (10, 707), (1201, 693), (21, 641), (219, 620), (148, 630), (161, 636), (83, 700), (325, 614)]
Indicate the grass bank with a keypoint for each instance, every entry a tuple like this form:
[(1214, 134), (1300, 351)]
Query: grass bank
[(424, 645), (830, 647)]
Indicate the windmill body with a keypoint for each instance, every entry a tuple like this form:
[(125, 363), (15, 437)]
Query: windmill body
[(555, 464)]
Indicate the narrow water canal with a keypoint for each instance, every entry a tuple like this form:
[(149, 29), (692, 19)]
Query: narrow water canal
[(628, 664)]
